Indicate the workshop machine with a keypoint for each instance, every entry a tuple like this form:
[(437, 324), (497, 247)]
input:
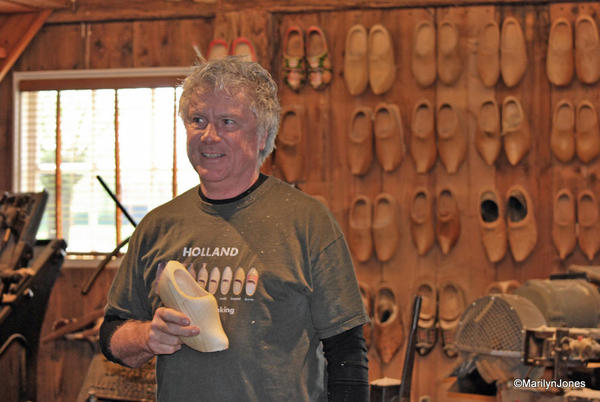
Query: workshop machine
[(28, 270), (541, 343)]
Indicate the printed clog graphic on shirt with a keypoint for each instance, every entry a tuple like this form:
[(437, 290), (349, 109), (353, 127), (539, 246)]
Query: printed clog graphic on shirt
[(202, 276), (251, 281), (213, 282), (226, 280), (238, 281)]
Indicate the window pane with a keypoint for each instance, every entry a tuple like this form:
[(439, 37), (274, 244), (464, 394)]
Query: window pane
[(38, 152), (88, 150), (146, 150)]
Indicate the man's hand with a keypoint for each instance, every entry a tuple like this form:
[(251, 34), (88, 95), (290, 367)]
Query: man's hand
[(164, 331), (136, 342)]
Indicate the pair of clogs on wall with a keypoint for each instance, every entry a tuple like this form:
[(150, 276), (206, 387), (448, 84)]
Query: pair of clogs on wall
[(515, 226), (501, 53), (450, 142), (306, 60), (373, 227), (369, 59), (382, 129), (447, 221), (241, 47), (440, 313), (566, 55), (575, 131), (576, 223), (386, 329), (514, 136), (431, 57)]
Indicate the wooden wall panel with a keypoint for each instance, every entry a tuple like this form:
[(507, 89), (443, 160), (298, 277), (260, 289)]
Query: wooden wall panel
[(109, 45), (62, 364), (56, 47)]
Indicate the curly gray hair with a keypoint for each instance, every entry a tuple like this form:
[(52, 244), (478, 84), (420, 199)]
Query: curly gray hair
[(232, 75)]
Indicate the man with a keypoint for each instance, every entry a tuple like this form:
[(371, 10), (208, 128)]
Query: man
[(300, 288)]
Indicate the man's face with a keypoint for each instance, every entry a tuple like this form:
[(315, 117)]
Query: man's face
[(223, 142)]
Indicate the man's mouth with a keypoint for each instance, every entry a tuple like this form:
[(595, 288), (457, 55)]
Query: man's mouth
[(212, 155)]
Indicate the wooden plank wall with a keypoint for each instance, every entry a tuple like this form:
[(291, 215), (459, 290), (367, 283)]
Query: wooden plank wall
[(62, 364), (167, 42)]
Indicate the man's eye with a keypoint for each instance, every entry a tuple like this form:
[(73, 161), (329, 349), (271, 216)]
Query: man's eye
[(228, 122), (198, 121)]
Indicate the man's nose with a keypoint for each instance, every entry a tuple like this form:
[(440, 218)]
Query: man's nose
[(210, 134)]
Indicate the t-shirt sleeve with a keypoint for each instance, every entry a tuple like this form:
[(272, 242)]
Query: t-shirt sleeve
[(128, 297), (336, 305)]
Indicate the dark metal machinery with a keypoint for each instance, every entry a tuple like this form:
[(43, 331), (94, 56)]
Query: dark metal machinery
[(28, 270), (549, 326)]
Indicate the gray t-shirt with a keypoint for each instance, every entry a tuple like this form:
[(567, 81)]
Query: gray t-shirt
[(282, 276)]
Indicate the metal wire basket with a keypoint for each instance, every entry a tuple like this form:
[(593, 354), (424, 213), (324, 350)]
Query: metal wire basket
[(491, 333)]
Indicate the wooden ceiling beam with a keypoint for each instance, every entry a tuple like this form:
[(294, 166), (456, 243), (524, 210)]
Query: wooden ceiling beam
[(11, 7), (16, 31), (120, 10), (40, 4)]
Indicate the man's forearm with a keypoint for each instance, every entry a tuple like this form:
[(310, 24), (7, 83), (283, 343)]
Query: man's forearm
[(129, 343)]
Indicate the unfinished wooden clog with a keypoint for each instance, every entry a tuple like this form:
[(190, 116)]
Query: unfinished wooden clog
[(488, 141), (492, 225), (423, 61), (382, 67), (388, 324), (180, 291), (515, 130), (389, 136), (386, 233), (587, 49), (488, 54), (522, 226), (421, 220), (422, 144), (448, 57), (356, 70), (289, 156), (562, 136), (588, 218), (428, 316), (360, 141), (452, 141), (559, 59), (447, 229), (513, 52), (451, 305), (587, 132), (563, 223), (360, 237)]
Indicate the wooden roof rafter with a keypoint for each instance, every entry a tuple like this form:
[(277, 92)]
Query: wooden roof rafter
[(28, 6), (16, 31)]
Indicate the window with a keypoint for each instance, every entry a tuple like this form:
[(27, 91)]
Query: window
[(123, 128)]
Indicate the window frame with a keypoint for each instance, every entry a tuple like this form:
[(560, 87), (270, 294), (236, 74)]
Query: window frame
[(57, 80)]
